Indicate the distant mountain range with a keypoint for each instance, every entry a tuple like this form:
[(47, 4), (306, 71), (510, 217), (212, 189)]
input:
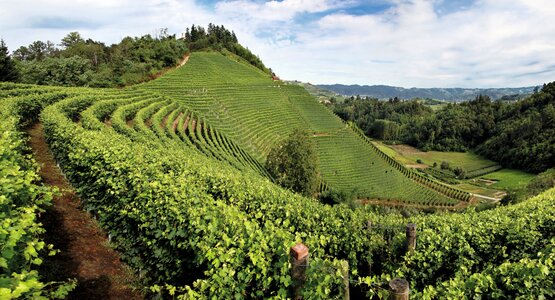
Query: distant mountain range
[(449, 94)]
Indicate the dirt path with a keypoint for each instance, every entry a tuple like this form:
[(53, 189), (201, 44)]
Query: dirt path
[(184, 60), (394, 203), (417, 166), (488, 198), (85, 254), (166, 70)]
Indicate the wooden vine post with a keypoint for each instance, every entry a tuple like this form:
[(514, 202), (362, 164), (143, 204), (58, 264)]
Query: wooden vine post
[(398, 289), (369, 262), (299, 262), (411, 237), (345, 274)]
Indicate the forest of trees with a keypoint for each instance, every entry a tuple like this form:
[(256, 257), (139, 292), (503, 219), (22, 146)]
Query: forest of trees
[(77, 61), (524, 136), (518, 135)]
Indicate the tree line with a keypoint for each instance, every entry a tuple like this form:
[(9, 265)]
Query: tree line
[(517, 135), (217, 37), (77, 61)]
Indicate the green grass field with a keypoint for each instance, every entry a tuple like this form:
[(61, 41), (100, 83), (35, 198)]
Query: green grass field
[(489, 192), (509, 179), (409, 155)]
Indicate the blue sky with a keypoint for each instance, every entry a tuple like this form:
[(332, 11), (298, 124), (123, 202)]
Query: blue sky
[(409, 43)]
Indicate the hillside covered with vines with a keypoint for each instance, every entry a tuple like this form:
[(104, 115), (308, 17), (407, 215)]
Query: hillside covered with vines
[(189, 207)]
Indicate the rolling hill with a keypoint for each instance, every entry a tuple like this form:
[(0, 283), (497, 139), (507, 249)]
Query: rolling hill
[(256, 113)]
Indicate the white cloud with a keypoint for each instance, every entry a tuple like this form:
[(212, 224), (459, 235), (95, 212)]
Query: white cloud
[(487, 43), (275, 10), (490, 44), (108, 21)]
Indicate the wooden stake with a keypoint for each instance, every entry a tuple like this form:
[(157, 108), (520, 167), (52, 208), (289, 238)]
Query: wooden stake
[(345, 272), (299, 262), (369, 229), (411, 237), (398, 289), (369, 226)]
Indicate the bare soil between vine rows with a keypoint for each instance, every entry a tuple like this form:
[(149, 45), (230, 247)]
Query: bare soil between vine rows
[(85, 253)]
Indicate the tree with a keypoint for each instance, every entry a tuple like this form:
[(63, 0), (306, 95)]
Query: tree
[(38, 50), (8, 70), (22, 54), (294, 164), (72, 39)]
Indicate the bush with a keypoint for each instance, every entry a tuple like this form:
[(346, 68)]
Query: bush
[(459, 172)]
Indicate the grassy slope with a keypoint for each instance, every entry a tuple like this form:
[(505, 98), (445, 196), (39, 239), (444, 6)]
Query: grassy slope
[(258, 113), (509, 178)]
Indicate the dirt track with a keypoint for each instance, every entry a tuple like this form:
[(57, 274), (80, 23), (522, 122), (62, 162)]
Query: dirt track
[(85, 253)]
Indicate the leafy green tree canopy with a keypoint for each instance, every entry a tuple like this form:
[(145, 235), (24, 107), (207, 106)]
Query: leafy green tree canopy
[(85, 62), (72, 39), (72, 71), (8, 70), (294, 164)]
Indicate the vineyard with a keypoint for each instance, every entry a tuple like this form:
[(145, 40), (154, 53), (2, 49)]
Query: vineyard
[(257, 113), (174, 171)]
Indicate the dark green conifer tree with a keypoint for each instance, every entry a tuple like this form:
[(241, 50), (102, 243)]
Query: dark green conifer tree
[(8, 69)]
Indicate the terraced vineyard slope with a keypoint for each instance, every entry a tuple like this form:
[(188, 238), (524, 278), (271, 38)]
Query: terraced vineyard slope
[(256, 112), (194, 226)]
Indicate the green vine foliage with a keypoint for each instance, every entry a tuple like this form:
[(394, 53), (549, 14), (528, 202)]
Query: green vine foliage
[(198, 229), (22, 249)]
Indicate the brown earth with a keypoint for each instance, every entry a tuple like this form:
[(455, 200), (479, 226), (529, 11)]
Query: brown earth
[(395, 203), (176, 122), (417, 166), (405, 149), (166, 70), (486, 181), (184, 60), (85, 253), (186, 123), (321, 134)]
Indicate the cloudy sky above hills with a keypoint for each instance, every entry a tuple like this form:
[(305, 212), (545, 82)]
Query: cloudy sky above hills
[(409, 43)]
